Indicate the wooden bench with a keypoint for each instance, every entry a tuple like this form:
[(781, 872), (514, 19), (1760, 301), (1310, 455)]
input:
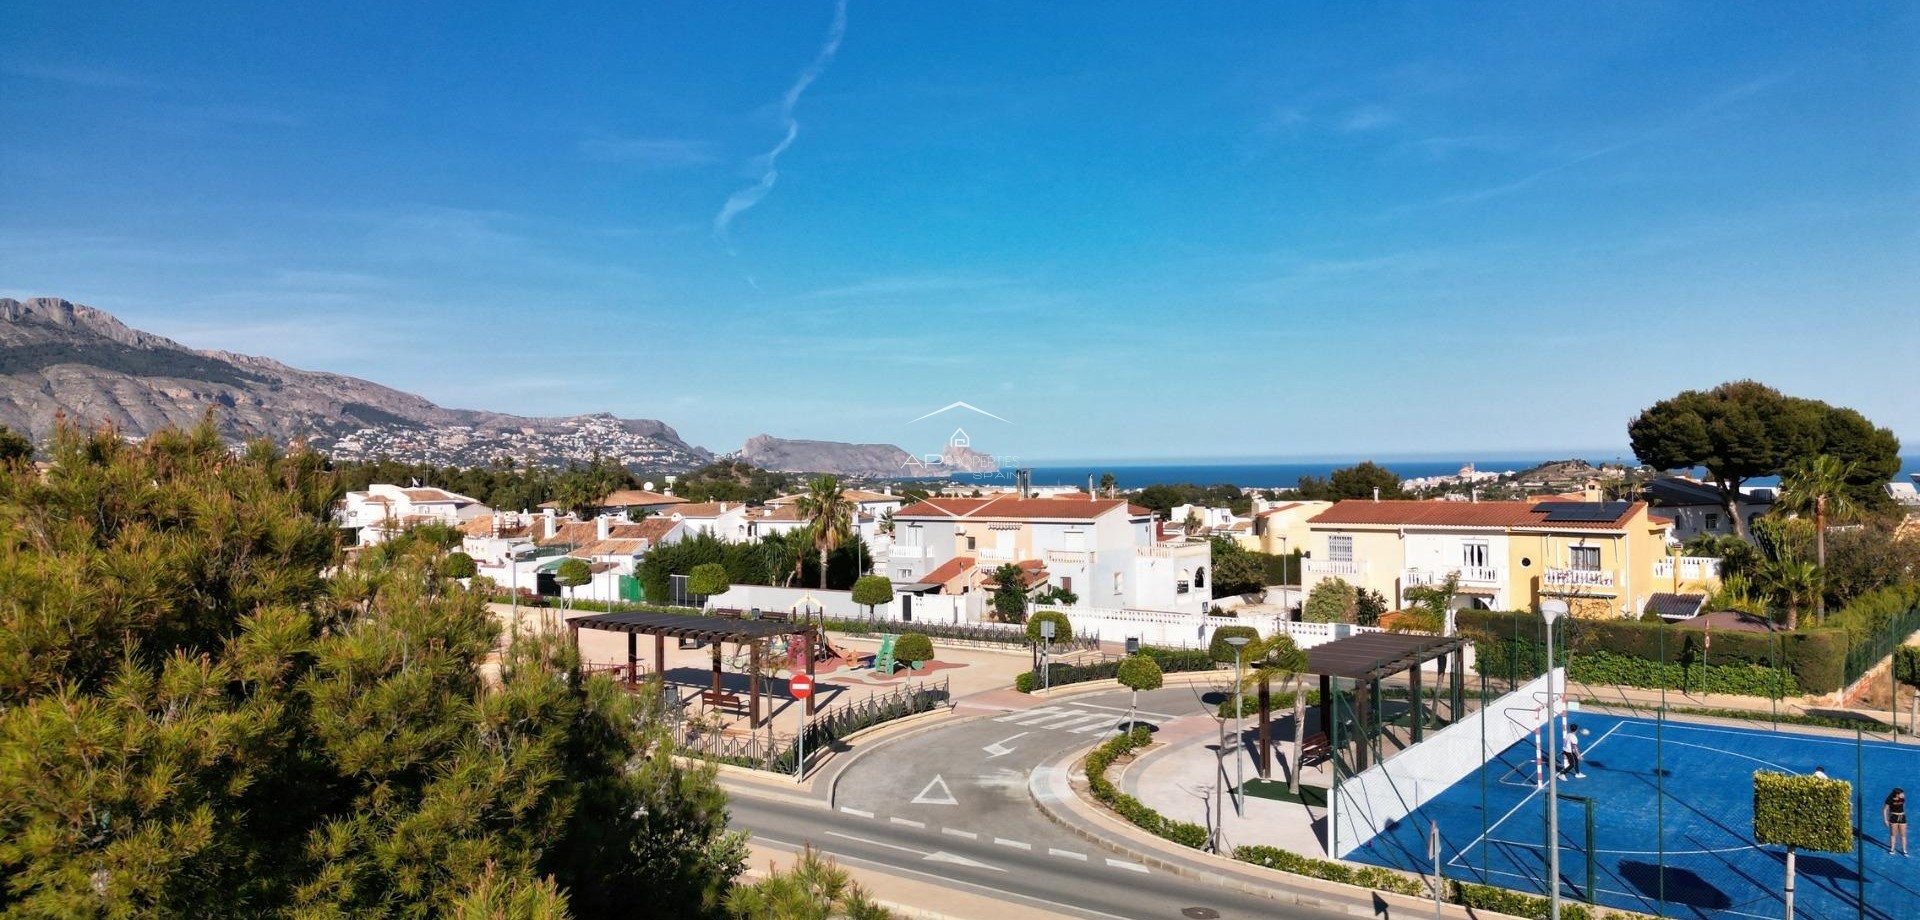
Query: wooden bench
[(723, 700), (1316, 747)]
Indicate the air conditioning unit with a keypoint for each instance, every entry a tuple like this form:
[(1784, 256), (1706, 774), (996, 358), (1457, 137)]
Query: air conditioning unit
[(959, 531)]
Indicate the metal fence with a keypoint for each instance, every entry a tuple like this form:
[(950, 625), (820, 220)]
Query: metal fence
[(769, 750), (984, 634)]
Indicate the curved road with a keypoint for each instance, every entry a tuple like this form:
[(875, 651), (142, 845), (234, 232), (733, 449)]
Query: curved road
[(952, 804)]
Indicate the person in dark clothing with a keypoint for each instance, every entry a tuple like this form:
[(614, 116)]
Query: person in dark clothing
[(1570, 754), (1894, 812)]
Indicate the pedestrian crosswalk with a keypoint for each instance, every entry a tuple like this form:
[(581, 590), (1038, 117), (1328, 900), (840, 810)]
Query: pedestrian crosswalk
[(1077, 718)]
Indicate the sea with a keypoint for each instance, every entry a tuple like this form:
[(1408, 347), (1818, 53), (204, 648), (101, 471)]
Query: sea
[(1284, 474)]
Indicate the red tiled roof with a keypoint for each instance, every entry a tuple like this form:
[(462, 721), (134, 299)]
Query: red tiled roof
[(1276, 509), (1014, 508), (628, 498), (1032, 571), (482, 526), (1459, 514), (704, 509), (433, 495), (948, 571)]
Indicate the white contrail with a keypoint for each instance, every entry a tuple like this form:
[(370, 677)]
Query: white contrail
[(743, 200)]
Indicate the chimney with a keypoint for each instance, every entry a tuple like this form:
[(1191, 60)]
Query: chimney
[(1376, 493), (496, 523), (723, 507), (600, 526)]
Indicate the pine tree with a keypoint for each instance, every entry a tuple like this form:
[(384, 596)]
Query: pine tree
[(200, 714)]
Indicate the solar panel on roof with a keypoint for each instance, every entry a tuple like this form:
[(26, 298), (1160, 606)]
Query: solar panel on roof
[(1569, 512)]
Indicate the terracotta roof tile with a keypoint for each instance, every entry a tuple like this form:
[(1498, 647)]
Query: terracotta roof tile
[(948, 571), (1460, 514)]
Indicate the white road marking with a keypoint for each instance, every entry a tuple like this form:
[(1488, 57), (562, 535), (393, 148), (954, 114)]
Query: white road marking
[(1012, 843), (947, 880), (1139, 712), (908, 822), (1023, 716), (956, 832), (856, 812), (1067, 853), (946, 857), (927, 796), (1130, 867), (999, 748), (890, 846)]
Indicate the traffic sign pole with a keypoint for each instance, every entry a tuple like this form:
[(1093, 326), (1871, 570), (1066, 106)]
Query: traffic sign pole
[(802, 687)]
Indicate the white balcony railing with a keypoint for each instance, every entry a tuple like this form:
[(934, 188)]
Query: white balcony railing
[(1330, 567), (1579, 578), (908, 552), (1692, 568), (1067, 556), (1469, 575)]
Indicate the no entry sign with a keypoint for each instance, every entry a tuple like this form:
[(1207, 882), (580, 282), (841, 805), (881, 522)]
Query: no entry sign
[(801, 685)]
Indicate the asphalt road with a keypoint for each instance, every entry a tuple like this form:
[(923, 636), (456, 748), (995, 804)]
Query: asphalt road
[(952, 805)]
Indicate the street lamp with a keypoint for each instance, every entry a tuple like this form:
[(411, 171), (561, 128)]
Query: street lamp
[(1239, 643), (1552, 609)]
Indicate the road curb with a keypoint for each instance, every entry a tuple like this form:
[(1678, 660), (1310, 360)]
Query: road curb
[(906, 728), (1108, 683), (1299, 890)]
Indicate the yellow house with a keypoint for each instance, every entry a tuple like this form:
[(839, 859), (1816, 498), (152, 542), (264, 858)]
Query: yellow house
[(1604, 558), (1280, 527)]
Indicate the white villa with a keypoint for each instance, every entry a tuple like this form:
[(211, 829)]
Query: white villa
[(384, 510)]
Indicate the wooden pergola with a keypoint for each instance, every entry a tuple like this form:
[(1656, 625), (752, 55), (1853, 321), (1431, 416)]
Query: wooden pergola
[(1366, 659), (714, 630)]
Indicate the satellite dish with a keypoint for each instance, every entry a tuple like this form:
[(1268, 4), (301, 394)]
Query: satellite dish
[(648, 485)]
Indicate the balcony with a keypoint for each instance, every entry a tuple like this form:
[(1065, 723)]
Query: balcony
[(1692, 568), (1577, 578), (1067, 556), (908, 552), (1331, 568), (1488, 576)]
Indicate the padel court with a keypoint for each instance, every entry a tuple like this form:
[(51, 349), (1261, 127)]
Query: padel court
[(1671, 824)]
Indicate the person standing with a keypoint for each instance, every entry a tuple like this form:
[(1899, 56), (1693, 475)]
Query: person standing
[(1894, 812), (1570, 754), (1820, 773)]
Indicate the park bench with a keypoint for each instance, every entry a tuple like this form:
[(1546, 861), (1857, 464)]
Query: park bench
[(1315, 748), (720, 699)]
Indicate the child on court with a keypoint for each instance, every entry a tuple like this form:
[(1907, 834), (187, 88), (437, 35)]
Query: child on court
[(1894, 812), (1570, 754)]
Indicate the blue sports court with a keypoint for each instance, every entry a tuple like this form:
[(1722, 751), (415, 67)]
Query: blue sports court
[(1703, 822)]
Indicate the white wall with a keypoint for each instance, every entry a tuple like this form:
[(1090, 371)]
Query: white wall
[(1389, 791)]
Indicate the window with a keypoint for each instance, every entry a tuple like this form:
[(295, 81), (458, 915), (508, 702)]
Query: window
[(970, 543), (1076, 539), (1473, 554), (1199, 578), (1066, 583), (1119, 581), (1585, 558), (1713, 522), (1339, 549)]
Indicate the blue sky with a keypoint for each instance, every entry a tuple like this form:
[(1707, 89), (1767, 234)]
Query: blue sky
[(1132, 231)]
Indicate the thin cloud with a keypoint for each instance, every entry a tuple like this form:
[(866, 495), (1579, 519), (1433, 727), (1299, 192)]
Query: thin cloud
[(646, 151), (1369, 118), (743, 200)]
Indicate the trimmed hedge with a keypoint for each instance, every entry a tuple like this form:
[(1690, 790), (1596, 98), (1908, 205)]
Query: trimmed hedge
[(1511, 645), (1802, 811), (1753, 715), (1278, 703), (1220, 651), (1615, 670), (1181, 832), (1170, 660), (1365, 876)]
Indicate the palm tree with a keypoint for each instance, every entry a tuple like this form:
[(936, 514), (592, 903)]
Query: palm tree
[(829, 518), (1794, 583), (783, 558), (1819, 486), (1277, 658), (1428, 607)]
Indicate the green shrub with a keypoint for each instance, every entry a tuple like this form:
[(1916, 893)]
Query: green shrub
[(1219, 649), (872, 591), (1502, 901), (1331, 601), (1610, 669), (1365, 876), (1170, 661), (1802, 811), (458, 565), (1511, 645), (1139, 815), (1026, 682), (1139, 672), (1062, 627), (708, 578), (1278, 702), (914, 647)]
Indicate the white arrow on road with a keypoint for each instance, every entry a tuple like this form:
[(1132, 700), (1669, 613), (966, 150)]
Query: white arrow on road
[(927, 796), (998, 748), (946, 857)]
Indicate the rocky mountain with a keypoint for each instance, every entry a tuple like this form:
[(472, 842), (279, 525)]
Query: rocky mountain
[(784, 455), (59, 358)]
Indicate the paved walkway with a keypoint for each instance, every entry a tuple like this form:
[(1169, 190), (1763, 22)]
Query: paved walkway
[(1179, 776)]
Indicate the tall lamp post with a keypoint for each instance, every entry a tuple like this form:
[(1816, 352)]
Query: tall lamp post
[(1552, 609), (1239, 644)]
